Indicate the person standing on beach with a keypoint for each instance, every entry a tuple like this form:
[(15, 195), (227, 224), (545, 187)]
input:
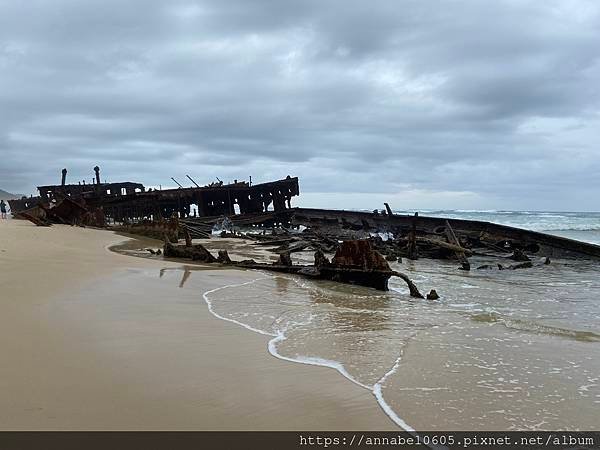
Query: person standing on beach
[(2, 209)]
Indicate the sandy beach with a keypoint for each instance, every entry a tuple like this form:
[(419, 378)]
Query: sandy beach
[(96, 338), (86, 348)]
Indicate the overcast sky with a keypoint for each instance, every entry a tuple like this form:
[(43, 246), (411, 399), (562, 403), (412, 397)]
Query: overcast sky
[(424, 104)]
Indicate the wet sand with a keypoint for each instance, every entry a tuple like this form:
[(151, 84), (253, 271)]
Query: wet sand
[(85, 345), (501, 350)]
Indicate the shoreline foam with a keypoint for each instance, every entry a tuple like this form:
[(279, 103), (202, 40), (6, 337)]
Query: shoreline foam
[(375, 389)]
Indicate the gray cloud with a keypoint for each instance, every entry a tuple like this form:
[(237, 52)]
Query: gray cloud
[(456, 104)]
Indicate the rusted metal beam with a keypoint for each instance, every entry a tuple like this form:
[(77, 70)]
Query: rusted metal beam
[(487, 233), (460, 254), (192, 180)]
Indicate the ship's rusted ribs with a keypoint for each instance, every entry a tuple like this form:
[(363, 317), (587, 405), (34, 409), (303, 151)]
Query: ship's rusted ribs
[(153, 229), (40, 222), (293, 247), (388, 209), (355, 262), (197, 231), (196, 252), (186, 235), (481, 235), (460, 254), (285, 259), (223, 257), (413, 251), (446, 245)]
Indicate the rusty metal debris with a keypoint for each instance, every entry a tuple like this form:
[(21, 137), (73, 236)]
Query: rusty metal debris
[(433, 295), (263, 214), (129, 202), (475, 237), (355, 262)]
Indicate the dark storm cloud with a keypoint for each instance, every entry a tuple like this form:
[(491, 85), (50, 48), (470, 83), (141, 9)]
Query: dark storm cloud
[(429, 104)]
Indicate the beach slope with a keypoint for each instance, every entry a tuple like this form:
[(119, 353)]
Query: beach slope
[(86, 348)]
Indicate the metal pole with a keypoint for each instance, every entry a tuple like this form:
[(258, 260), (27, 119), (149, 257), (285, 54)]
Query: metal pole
[(192, 180)]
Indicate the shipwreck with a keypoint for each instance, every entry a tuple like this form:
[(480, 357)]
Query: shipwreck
[(263, 213)]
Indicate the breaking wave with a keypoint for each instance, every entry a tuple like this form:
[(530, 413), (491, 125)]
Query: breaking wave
[(576, 228)]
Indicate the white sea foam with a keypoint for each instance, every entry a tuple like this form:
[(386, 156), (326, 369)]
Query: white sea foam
[(464, 305), (228, 319), (312, 361), (280, 336), (377, 391), (383, 235), (482, 211)]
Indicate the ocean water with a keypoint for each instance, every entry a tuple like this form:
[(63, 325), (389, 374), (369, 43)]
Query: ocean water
[(584, 226), (500, 350)]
